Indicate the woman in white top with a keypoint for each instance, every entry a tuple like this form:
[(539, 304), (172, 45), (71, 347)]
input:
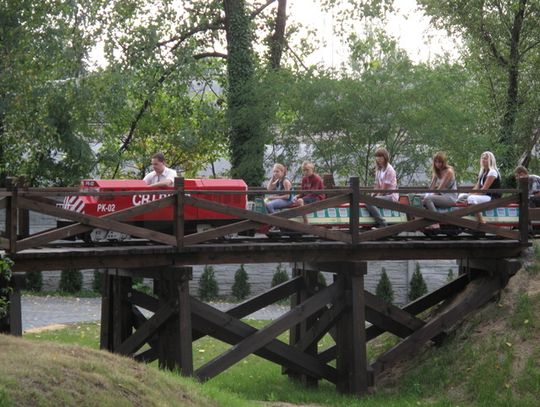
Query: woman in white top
[(488, 178)]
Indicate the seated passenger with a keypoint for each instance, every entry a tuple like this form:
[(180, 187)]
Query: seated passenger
[(385, 178), (279, 182), (443, 178), (310, 181), (488, 178), (534, 185)]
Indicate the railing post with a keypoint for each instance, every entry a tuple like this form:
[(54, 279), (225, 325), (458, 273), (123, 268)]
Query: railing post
[(11, 216), (23, 216), (179, 212), (524, 210), (354, 209)]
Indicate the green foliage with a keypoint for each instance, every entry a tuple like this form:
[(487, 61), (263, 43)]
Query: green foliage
[(280, 276), (71, 281), (450, 276), (5, 289), (384, 288), (418, 285), (97, 282), (246, 138), (34, 281), (241, 287), (208, 286), (321, 280)]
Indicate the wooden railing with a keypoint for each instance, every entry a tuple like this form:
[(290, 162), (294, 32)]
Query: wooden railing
[(18, 200)]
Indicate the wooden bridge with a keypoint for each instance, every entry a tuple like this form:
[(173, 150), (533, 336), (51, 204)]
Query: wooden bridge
[(340, 309)]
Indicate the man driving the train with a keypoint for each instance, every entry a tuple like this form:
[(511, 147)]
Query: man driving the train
[(161, 176)]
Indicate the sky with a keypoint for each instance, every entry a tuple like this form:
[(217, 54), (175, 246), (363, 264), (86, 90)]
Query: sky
[(408, 25)]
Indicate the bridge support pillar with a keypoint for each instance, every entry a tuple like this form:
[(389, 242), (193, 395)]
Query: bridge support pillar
[(11, 323), (125, 329)]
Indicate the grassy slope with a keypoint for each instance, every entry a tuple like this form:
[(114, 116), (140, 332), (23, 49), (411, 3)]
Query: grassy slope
[(491, 359), (51, 374)]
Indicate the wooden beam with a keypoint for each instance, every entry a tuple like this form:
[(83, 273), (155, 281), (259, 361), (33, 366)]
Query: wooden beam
[(389, 317), (221, 326), (184, 323), (271, 219), (147, 330), (264, 336), (354, 209), (76, 229), (358, 372), (270, 296), (179, 212), (453, 218), (98, 222), (478, 292), (419, 305), (524, 210)]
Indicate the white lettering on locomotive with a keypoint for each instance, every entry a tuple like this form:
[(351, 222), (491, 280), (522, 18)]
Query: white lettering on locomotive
[(142, 199), (106, 207)]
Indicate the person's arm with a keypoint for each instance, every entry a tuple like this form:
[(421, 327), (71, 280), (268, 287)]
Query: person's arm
[(286, 187), (446, 179), (272, 184), (433, 182), (164, 183), (489, 181)]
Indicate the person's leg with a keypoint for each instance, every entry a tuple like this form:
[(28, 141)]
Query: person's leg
[(375, 212), (478, 199), (534, 201), (307, 201), (275, 204), (433, 202)]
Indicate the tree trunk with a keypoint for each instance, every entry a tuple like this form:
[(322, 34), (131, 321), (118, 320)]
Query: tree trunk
[(277, 40), (246, 141)]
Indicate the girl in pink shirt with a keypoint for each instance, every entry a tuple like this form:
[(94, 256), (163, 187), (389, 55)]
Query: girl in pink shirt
[(385, 178)]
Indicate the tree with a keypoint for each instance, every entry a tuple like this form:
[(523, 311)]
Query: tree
[(241, 287), (384, 288), (71, 281), (502, 42), (418, 285), (208, 287), (280, 276), (246, 141)]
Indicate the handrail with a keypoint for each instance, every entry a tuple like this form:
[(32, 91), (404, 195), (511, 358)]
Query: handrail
[(18, 201)]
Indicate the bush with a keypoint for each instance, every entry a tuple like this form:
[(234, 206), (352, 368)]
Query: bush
[(280, 275), (384, 288), (241, 287), (450, 276), (97, 282), (208, 287), (5, 289), (34, 281), (418, 285), (71, 281), (321, 280)]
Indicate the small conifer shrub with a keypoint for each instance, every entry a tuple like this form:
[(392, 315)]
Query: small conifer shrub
[(280, 275), (96, 282), (71, 281), (418, 285), (208, 286), (384, 288), (241, 287), (450, 276), (34, 281), (321, 280)]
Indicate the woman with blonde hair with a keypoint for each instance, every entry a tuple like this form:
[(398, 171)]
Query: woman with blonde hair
[(488, 178), (279, 183)]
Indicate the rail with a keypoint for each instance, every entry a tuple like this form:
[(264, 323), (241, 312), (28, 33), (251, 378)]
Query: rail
[(19, 200)]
